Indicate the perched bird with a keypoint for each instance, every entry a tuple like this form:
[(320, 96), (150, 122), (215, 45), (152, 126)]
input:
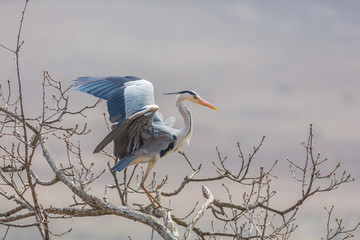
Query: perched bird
[(140, 134)]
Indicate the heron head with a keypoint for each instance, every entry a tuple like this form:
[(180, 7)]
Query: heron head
[(192, 96)]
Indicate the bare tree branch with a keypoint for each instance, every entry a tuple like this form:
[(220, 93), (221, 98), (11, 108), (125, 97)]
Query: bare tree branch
[(209, 200), (253, 215)]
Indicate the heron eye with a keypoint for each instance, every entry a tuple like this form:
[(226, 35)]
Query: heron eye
[(195, 97)]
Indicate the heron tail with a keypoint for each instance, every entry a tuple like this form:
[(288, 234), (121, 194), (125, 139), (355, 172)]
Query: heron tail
[(123, 163)]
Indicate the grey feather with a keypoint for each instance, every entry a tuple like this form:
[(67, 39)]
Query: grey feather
[(125, 131), (170, 122), (137, 95)]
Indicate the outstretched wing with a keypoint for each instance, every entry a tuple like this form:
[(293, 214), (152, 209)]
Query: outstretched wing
[(125, 95), (130, 102)]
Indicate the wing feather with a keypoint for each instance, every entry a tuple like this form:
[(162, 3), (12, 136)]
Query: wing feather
[(125, 95), (127, 135)]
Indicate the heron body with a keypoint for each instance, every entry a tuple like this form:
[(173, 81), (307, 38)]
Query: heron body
[(140, 134)]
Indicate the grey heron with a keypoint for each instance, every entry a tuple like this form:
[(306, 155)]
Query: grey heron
[(140, 134)]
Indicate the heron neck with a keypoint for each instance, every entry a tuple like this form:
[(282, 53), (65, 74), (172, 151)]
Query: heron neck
[(186, 131)]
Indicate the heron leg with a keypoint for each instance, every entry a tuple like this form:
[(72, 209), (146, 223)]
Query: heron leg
[(142, 185)]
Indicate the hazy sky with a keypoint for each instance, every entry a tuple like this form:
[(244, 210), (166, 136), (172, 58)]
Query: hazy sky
[(270, 67)]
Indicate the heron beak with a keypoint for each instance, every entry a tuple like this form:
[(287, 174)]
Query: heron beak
[(204, 103)]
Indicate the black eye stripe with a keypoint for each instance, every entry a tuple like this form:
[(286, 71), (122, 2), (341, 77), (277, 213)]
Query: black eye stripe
[(182, 92), (189, 92)]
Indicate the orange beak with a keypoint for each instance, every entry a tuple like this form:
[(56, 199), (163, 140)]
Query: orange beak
[(204, 103)]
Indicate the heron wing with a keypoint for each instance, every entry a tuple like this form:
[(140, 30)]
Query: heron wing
[(130, 102), (127, 135), (125, 95)]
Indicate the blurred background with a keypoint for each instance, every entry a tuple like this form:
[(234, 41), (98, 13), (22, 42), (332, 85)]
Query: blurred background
[(269, 67)]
